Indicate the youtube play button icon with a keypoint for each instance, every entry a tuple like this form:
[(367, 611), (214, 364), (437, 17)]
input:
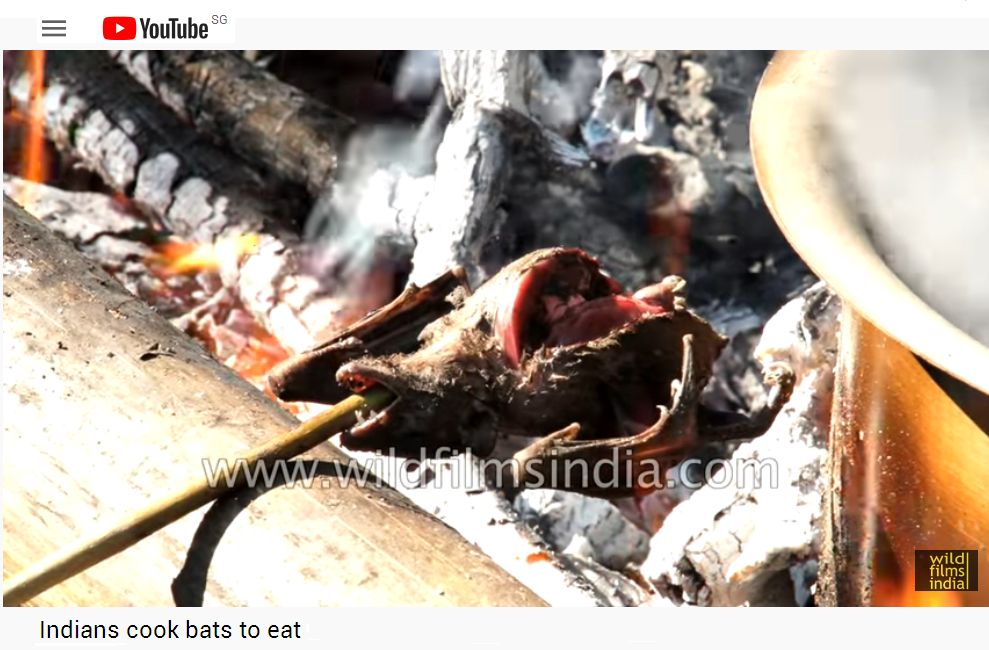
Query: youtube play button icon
[(119, 28)]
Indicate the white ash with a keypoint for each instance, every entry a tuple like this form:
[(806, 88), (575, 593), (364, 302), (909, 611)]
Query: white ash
[(83, 217), (454, 491), (692, 108), (803, 333), (740, 544), (584, 526), (561, 90), (460, 208), (614, 586), (706, 98), (650, 511), (16, 267), (497, 78), (101, 229), (506, 183)]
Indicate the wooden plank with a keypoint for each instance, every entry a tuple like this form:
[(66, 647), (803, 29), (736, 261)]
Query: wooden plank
[(107, 406)]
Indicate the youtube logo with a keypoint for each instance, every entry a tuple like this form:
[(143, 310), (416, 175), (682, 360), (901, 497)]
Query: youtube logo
[(119, 28), (124, 28)]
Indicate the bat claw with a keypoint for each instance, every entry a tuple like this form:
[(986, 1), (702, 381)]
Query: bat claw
[(615, 466)]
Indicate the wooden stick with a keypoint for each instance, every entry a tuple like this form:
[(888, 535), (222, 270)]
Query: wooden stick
[(197, 493)]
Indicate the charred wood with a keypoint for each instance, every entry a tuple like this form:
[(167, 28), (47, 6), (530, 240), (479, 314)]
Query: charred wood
[(105, 231), (505, 184), (96, 113), (270, 124)]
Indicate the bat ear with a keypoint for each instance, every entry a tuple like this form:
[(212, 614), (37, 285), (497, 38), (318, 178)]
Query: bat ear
[(548, 281), (516, 310)]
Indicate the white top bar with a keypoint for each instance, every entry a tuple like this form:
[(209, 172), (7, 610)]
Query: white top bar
[(86, 32), (552, 9)]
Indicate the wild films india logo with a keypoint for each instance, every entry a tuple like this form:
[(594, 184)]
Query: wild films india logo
[(946, 570)]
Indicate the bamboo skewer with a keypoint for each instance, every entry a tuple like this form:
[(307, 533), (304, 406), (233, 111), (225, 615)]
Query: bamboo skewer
[(88, 552)]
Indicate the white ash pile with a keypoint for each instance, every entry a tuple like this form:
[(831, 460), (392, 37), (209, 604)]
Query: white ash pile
[(563, 574), (584, 526)]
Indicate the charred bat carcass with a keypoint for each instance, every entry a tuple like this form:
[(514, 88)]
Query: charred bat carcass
[(550, 347)]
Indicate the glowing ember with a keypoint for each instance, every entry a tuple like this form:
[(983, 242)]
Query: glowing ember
[(178, 257), (253, 361), (674, 230), (238, 341), (258, 356)]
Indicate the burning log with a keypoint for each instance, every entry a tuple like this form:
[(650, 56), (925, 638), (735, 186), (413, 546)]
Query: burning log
[(105, 404), (268, 123), (505, 184), (112, 233), (95, 111), (585, 527), (97, 225)]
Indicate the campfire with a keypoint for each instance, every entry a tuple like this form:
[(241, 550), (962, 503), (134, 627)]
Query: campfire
[(510, 256)]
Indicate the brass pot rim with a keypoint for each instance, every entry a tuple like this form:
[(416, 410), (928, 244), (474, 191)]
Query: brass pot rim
[(803, 193)]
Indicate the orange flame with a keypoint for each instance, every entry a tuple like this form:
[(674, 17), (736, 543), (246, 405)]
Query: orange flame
[(34, 160), (889, 591), (177, 257)]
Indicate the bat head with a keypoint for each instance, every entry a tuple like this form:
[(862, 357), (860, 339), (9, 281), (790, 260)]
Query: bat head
[(549, 340)]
